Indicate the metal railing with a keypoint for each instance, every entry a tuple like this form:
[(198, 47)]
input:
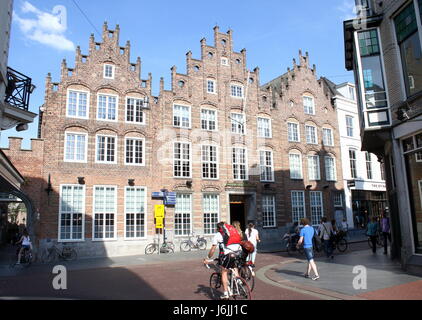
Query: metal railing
[(19, 89)]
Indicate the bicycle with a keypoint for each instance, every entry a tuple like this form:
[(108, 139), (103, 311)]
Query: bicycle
[(238, 287), (246, 272), (340, 243), (188, 245), (26, 258), (166, 247), (66, 253), (291, 245)]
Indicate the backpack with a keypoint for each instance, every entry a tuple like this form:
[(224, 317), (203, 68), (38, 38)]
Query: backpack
[(230, 235), (247, 246)]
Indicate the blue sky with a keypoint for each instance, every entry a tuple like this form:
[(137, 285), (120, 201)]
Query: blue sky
[(162, 31)]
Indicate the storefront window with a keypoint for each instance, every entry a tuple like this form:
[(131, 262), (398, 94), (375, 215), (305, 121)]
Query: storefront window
[(414, 180)]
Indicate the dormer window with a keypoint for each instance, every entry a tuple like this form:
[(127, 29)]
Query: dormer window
[(109, 71)]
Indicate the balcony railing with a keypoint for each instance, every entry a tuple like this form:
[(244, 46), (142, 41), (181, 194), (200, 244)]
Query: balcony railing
[(19, 89)]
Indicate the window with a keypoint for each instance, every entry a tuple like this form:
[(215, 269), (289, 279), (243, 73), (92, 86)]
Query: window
[(135, 208), (182, 215), (134, 110), (295, 161), (134, 151), (349, 126), (264, 128), (352, 157), (75, 147), (210, 207), (298, 205), (338, 199), (239, 164), (72, 211), (106, 149), (109, 71), (209, 162), (308, 103), (238, 123), (311, 135), (224, 61), (209, 119), (330, 169), (266, 166), (77, 104), (211, 87), (182, 160), (327, 137), (316, 206), (352, 93), (105, 208), (293, 132), (268, 211), (181, 116), (368, 165), (410, 48), (107, 107), (236, 91), (314, 168)]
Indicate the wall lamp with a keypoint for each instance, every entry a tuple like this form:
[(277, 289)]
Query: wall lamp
[(309, 186), (131, 182), (189, 184), (81, 180)]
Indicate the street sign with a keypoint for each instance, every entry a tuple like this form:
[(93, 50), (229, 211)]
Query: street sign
[(159, 211), (170, 199), (158, 195), (159, 223), (351, 183)]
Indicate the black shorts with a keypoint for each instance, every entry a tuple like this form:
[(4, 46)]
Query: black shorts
[(229, 260)]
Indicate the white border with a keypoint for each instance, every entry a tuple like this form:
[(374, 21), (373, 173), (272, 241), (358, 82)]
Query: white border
[(190, 116), (93, 214), (272, 165), (145, 214), (144, 115), (107, 108), (246, 164), (212, 144), (143, 164), (65, 147), (88, 100), (113, 71), (106, 149), (190, 159), (257, 127), (216, 118)]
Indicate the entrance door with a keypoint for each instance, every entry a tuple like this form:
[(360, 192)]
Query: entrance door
[(238, 210)]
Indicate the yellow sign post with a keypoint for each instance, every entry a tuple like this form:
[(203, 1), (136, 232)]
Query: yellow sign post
[(159, 216)]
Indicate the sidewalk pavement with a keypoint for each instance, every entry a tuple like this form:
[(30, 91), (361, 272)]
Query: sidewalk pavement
[(384, 278)]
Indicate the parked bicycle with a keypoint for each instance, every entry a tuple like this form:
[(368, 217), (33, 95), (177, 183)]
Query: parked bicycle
[(292, 241), (54, 253), (187, 245), (340, 243), (166, 247), (238, 287), (26, 257)]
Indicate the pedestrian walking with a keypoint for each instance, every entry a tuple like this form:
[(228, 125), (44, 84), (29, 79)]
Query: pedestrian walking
[(252, 235), (306, 236), (238, 227), (326, 235), (372, 232), (385, 229)]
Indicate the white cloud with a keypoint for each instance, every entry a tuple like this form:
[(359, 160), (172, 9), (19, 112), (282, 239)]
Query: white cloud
[(347, 8), (46, 28)]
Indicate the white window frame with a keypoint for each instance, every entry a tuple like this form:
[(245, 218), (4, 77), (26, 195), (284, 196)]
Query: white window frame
[(208, 120), (314, 175), (144, 213), (108, 95), (330, 136), (106, 149), (302, 206), (263, 166), (237, 123), (85, 160), (61, 212), (182, 160), (315, 206), (308, 108), (213, 220), (261, 129), (187, 232), (290, 134), (209, 161), (143, 151), (214, 85), (338, 196), (78, 92), (371, 168), (134, 116), (113, 71), (350, 126), (236, 89), (327, 174), (114, 213), (240, 164), (269, 201), (292, 165), (311, 139), (180, 118), (355, 163)]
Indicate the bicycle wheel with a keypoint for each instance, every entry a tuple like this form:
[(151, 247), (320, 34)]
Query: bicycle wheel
[(342, 245), (202, 244), (171, 245), (71, 255), (166, 249), (185, 246), (241, 290), (150, 249), (215, 285), (246, 273)]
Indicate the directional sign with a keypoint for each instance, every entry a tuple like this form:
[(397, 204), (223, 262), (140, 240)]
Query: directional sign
[(170, 199), (159, 211), (351, 183), (158, 195)]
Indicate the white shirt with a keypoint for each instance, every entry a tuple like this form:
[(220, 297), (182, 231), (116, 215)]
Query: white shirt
[(218, 239), (26, 241), (253, 237), (326, 231)]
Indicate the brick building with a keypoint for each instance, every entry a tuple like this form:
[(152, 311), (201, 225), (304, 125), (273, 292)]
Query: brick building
[(229, 147)]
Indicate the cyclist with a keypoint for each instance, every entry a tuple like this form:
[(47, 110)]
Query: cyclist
[(25, 243), (228, 240)]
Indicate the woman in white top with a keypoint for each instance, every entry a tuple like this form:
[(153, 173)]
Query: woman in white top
[(25, 242), (253, 236)]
